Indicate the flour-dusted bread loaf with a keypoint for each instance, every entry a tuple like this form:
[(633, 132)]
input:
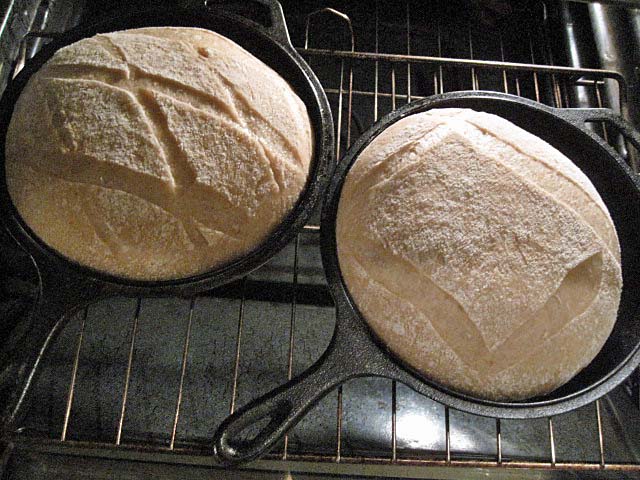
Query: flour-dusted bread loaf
[(156, 153), (479, 254)]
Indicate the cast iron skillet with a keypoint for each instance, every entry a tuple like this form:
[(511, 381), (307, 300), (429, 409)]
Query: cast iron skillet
[(354, 351), (66, 286)]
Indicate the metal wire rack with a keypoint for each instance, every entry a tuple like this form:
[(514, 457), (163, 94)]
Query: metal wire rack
[(364, 80)]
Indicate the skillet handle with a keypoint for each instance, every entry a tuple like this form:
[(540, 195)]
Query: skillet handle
[(286, 405), (580, 116), (59, 298), (276, 27)]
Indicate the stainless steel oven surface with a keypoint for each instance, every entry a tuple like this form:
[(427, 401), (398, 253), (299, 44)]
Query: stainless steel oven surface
[(136, 387)]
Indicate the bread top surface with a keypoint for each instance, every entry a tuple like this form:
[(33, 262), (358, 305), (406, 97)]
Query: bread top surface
[(156, 153), (479, 254)]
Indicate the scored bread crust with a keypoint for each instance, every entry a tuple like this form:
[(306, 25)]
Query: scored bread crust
[(156, 153), (479, 254)]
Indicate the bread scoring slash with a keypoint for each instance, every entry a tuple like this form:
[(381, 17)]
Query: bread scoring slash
[(156, 153), (479, 254)]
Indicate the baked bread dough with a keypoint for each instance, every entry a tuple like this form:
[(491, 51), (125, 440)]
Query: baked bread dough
[(479, 254), (156, 153)]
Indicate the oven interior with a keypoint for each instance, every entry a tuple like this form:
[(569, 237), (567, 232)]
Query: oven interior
[(135, 388)]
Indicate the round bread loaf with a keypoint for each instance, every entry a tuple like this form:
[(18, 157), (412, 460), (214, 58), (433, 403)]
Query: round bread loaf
[(479, 254), (156, 153)]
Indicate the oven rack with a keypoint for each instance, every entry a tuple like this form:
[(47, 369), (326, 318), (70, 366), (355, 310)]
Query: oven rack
[(390, 79)]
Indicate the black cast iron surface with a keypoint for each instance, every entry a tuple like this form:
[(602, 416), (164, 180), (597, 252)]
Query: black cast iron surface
[(354, 351), (66, 286)]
